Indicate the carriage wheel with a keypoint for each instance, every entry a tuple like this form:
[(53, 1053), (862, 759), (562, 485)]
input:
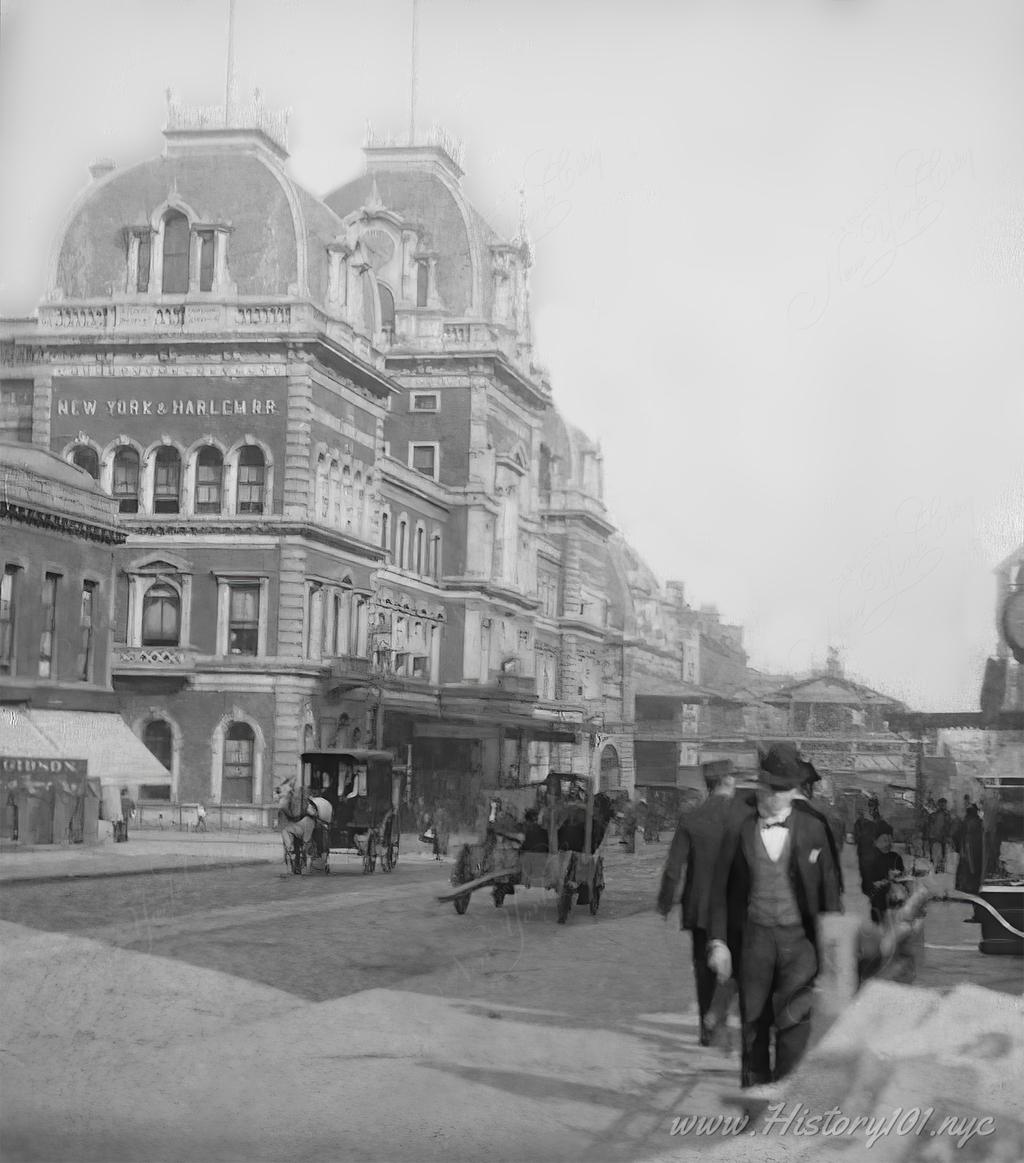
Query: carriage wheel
[(461, 903), (595, 900)]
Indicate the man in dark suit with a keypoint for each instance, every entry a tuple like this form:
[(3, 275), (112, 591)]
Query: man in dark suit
[(774, 875), (803, 802), (689, 869)]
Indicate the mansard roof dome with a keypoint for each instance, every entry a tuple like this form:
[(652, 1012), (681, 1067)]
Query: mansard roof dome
[(425, 191), (278, 231)]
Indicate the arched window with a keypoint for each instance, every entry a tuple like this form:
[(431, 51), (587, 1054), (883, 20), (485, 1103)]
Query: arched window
[(251, 479), (167, 481), (209, 480), (87, 458), (335, 494), (161, 616), (360, 500), (322, 488), (158, 738), (421, 541), (176, 246), (387, 310), (239, 764), (126, 480), (403, 544), (346, 495)]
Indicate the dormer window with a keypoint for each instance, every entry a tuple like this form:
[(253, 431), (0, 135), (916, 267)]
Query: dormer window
[(176, 255), (177, 239)]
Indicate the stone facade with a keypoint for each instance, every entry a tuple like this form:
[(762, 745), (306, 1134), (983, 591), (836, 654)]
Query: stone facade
[(353, 515)]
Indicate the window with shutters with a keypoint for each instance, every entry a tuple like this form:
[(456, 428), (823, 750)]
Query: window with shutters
[(424, 459), (207, 263), (244, 619), (161, 615), (209, 480), (8, 623), (86, 627), (239, 764), (126, 480), (251, 480), (177, 241), (167, 481), (48, 635)]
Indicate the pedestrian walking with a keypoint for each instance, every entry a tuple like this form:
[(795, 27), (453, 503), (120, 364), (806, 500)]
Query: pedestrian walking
[(686, 880), (833, 826), (880, 867), (970, 867), (773, 877), (866, 829), (940, 827), (127, 812)]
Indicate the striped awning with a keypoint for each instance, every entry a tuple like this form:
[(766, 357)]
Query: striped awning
[(115, 756)]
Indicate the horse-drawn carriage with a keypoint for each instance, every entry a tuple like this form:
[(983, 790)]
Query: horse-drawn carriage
[(521, 852), (363, 793)]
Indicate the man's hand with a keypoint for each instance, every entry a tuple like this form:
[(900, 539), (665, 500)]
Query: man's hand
[(720, 960)]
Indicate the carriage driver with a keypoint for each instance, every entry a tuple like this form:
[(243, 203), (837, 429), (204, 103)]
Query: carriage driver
[(298, 833)]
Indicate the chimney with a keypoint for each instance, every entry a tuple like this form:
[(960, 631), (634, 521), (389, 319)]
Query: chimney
[(101, 167)]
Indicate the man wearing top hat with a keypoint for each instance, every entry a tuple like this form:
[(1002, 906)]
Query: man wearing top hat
[(775, 873)]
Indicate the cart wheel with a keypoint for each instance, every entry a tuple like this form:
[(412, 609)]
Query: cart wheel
[(461, 903), (595, 900), (564, 905)]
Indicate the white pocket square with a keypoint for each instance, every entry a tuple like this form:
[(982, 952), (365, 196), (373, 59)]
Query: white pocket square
[(815, 853)]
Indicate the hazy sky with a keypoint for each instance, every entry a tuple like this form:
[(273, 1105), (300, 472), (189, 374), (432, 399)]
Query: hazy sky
[(779, 274)]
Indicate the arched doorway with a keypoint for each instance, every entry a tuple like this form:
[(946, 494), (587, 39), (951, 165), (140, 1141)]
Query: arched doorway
[(610, 779)]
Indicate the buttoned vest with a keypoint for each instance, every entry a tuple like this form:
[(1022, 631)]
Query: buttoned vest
[(772, 901)]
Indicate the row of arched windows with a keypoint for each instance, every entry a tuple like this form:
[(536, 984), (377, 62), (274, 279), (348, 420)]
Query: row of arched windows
[(342, 498), (410, 545), (204, 480), (237, 750)]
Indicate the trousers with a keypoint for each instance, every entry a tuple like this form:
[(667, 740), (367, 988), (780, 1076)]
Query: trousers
[(776, 974)]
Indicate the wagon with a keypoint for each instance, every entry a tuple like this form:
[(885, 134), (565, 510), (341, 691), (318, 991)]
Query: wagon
[(570, 867)]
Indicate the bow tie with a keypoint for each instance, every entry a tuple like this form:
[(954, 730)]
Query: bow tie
[(773, 824)]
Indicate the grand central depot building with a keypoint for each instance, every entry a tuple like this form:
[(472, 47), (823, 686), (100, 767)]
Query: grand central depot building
[(353, 515)]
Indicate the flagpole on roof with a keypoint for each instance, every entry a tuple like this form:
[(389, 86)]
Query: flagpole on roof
[(229, 77), (412, 74)]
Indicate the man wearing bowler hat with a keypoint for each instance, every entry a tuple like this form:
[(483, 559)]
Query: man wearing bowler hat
[(775, 873)]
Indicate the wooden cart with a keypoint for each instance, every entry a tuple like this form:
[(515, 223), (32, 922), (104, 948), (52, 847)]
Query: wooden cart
[(572, 871)]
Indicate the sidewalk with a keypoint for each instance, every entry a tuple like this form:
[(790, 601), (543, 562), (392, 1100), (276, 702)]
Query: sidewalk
[(152, 850)]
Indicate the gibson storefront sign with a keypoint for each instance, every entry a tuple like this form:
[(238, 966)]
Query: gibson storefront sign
[(30, 772), (135, 407)]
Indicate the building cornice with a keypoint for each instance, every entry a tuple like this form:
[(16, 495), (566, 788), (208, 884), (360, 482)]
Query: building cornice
[(84, 529)]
